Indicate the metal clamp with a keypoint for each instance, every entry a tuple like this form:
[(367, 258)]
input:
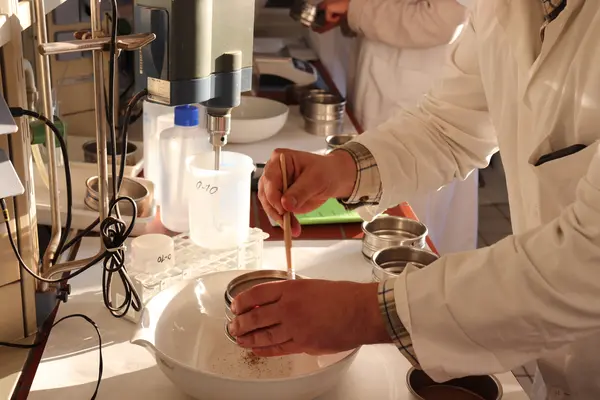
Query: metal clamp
[(127, 43), (97, 41)]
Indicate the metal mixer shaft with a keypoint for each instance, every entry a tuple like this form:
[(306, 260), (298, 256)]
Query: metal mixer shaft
[(218, 125)]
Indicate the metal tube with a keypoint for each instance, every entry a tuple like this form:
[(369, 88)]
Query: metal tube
[(98, 60), (217, 150), (43, 66), (69, 266)]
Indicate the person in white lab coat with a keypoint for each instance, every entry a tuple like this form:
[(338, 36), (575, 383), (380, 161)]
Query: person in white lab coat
[(401, 51), (524, 77)]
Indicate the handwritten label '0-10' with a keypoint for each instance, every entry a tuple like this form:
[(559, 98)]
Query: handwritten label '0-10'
[(208, 187)]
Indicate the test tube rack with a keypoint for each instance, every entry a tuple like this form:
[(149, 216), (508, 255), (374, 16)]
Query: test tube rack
[(192, 262)]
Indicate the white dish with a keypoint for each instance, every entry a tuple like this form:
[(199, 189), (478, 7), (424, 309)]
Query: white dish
[(256, 119), (183, 327)]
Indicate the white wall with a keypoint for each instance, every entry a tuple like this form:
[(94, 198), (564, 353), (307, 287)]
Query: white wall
[(337, 54)]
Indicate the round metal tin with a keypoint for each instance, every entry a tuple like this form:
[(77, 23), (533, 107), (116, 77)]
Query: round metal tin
[(303, 12), (485, 387), (390, 231), (229, 336), (250, 279), (245, 282), (337, 141), (391, 262)]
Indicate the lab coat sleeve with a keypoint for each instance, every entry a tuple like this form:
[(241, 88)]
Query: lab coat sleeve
[(496, 308), (445, 137), (407, 23)]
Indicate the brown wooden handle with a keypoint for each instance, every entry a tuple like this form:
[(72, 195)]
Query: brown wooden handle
[(287, 222)]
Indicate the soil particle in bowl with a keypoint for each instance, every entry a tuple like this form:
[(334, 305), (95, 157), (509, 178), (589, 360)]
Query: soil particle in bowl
[(252, 359), (235, 362)]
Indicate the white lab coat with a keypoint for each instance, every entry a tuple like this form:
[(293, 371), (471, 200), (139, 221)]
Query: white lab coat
[(401, 52), (536, 294)]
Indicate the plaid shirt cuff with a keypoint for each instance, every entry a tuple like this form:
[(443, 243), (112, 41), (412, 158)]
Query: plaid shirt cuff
[(367, 188), (394, 326)]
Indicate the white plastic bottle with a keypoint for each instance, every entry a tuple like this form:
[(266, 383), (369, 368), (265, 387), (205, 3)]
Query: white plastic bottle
[(157, 117), (176, 145)]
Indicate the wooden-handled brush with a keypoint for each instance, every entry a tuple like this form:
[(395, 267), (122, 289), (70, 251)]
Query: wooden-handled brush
[(287, 224)]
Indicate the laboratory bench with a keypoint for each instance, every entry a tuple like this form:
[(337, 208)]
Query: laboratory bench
[(130, 372), (67, 365)]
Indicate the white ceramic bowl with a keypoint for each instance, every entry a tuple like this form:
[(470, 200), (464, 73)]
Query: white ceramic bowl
[(183, 327), (256, 119)]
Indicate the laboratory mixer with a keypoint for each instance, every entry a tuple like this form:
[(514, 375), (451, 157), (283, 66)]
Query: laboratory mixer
[(189, 51), (202, 55)]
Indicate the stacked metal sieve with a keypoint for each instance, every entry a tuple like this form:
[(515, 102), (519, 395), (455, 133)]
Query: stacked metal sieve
[(323, 112)]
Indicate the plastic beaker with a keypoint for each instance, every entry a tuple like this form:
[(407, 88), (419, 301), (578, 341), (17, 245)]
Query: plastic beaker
[(219, 202), (152, 253)]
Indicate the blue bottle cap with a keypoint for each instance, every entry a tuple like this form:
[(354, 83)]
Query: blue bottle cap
[(186, 115)]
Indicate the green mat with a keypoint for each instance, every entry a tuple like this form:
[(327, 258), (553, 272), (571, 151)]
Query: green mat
[(331, 212)]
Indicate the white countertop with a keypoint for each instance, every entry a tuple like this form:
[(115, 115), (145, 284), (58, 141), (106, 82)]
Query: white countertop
[(70, 362), (13, 362)]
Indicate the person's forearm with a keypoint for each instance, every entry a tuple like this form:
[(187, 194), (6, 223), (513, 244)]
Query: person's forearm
[(446, 137), (496, 308), (346, 171), (407, 23), (373, 322)]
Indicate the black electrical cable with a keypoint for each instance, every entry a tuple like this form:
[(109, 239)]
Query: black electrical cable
[(113, 238), (124, 127), (123, 137), (113, 230), (135, 117), (115, 264), (86, 231), (111, 99), (19, 112), (127, 89), (113, 233), (43, 340)]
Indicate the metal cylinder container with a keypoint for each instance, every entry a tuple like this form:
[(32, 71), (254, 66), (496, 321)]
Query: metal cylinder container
[(303, 96), (389, 231), (303, 12), (308, 13), (337, 141), (130, 188), (390, 262), (323, 128), (323, 112), (323, 106), (485, 387), (245, 282), (90, 153)]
